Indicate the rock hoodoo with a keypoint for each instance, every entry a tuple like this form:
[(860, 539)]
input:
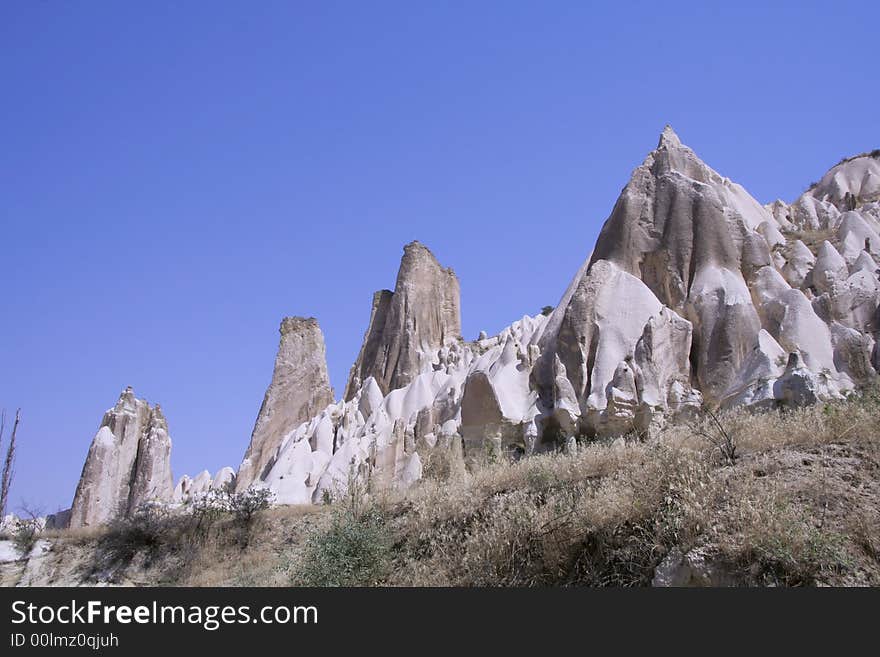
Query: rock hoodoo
[(128, 464), (695, 293), (299, 390), (408, 326)]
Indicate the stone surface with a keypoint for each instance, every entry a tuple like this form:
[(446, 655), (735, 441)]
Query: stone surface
[(299, 390), (696, 568), (408, 326), (694, 294), (128, 464)]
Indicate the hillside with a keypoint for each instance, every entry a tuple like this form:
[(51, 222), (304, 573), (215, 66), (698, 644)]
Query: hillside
[(797, 504)]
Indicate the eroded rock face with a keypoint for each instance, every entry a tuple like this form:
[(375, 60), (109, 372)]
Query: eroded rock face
[(408, 326), (299, 390), (695, 293), (128, 464), (691, 236), (852, 183), (383, 440)]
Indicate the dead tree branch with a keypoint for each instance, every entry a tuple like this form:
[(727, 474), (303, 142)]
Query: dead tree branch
[(8, 464)]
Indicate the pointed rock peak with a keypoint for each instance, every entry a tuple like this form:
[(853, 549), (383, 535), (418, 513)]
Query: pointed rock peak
[(800, 250), (865, 262), (673, 156), (128, 463), (668, 138), (408, 326), (827, 252), (299, 389), (126, 398), (415, 245)]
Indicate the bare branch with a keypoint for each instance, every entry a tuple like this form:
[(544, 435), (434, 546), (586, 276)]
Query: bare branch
[(9, 465), (717, 435)]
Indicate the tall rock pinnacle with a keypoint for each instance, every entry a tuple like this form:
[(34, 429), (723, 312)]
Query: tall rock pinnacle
[(409, 325), (129, 463), (299, 390)]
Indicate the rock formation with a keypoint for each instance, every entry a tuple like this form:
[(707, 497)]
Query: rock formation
[(695, 293), (300, 389), (128, 464), (408, 326)]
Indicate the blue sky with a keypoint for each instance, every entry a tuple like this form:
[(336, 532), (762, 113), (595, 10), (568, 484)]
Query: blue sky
[(176, 177)]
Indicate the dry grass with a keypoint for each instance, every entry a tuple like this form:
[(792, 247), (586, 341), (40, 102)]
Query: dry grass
[(798, 507), (812, 238)]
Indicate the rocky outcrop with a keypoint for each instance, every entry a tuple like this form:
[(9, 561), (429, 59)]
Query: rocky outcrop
[(384, 439), (408, 326), (299, 390), (189, 489), (691, 237), (128, 464), (696, 568), (694, 294), (742, 288), (854, 182)]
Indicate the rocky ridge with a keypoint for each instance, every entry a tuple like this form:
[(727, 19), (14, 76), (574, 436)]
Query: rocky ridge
[(728, 302)]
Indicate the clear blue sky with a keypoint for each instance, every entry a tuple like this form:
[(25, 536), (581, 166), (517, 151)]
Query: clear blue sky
[(176, 177)]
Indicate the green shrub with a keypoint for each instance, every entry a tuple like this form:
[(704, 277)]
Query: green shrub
[(354, 550), (246, 504)]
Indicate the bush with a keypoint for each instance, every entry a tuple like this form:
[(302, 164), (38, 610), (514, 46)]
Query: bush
[(25, 533), (146, 529), (205, 510), (246, 504), (353, 551)]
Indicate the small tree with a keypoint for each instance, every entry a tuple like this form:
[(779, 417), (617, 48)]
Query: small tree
[(9, 462), (247, 503), (28, 527), (546, 310)]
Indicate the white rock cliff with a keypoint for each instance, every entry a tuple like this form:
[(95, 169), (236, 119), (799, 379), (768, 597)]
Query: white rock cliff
[(695, 293)]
